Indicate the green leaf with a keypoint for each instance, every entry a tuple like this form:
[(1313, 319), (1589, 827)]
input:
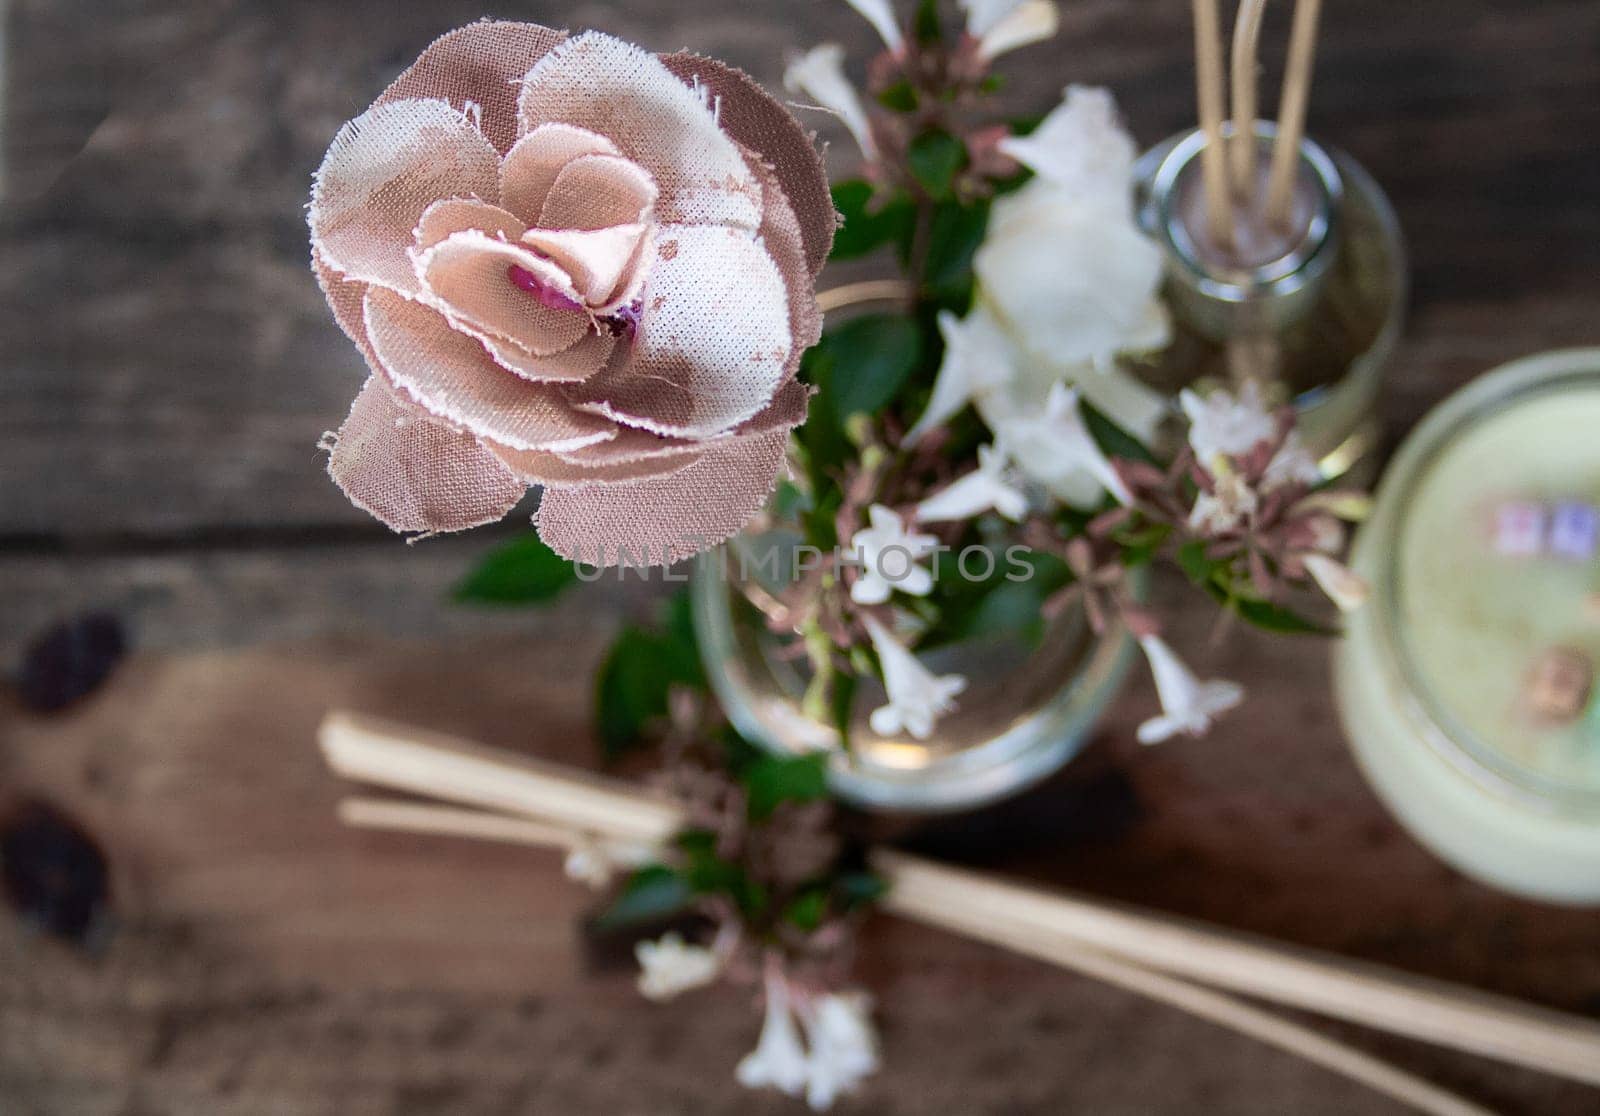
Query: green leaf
[(1275, 618), (870, 220), (1252, 610), (1194, 563), (858, 888), (524, 571), (869, 360), (899, 97), (634, 681), (954, 236), (808, 909), (775, 779), (1112, 439), (788, 501), (843, 701), (683, 646), (925, 26), (708, 874), (822, 434), (935, 158), (652, 893), (1011, 607)]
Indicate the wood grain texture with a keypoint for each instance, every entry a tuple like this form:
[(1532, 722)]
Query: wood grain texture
[(168, 362), (272, 961), (166, 366)]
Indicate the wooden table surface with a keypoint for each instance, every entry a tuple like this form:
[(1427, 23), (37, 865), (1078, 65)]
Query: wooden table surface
[(166, 366)]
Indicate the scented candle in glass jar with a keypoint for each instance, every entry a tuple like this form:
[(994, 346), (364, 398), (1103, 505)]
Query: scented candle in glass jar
[(1467, 684)]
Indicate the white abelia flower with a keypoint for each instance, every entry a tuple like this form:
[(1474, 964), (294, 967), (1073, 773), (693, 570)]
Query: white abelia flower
[(977, 358), (1223, 425), (844, 1046), (917, 697), (1188, 705), (880, 13), (1226, 425), (670, 966), (1292, 464), (594, 862), (1082, 148), (819, 74), (1056, 450), (989, 486), (779, 1060), (1064, 264), (889, 555), (1227, 507), (984, 16), (1344, 587), (1023, 23), (587, 863)]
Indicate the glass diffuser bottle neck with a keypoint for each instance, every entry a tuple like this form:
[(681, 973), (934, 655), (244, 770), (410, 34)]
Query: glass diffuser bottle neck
[(1259, 277)]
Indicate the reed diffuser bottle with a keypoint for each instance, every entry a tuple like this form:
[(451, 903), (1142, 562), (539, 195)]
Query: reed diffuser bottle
[(1284, 262)]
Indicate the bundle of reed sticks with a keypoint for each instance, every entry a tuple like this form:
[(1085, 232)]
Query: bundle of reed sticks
[(1228, 161), (484, 794)]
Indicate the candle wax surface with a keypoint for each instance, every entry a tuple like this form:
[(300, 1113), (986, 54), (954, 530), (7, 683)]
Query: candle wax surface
[(1474, 621)]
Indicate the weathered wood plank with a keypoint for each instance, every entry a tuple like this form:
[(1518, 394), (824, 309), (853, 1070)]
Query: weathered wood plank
[(167, 362), (259, 933), (226, 595), (165, 368)]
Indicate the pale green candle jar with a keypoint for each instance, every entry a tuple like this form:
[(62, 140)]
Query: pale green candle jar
[(1467, 683)]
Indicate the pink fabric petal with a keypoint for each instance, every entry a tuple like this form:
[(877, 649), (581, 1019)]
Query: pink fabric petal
[(755, 120), (382, 172), (625, 94), (665, 519), (557, 471), (479, 64), (596, 191), (786, 411), (452, 376), (579, 362), (713, 342), (444, 218), (468, 277), (781, 236), (347, 299), (414, 474), (630, 445), (598, 261), (530, 168)]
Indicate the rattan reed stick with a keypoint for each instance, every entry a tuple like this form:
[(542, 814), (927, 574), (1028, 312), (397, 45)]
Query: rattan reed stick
[(1292, 113), (1020, 938), (1244, 75), (1431, 1011), (1217, 1007), (437, 766), (1208, 89), (428, 764), (456, 821)]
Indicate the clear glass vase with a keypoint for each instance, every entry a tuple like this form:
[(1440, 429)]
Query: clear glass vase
[(1030, 702)]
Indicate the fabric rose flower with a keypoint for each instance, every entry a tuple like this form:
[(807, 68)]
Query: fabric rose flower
[(574, 264)]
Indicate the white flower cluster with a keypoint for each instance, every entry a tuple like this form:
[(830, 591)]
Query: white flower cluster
[(1223, 427), (1067, 283), (996, 26), (839, 1050)]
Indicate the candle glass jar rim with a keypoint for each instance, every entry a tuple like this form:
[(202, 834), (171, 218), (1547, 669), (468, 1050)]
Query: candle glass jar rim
[(1511, 384)]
